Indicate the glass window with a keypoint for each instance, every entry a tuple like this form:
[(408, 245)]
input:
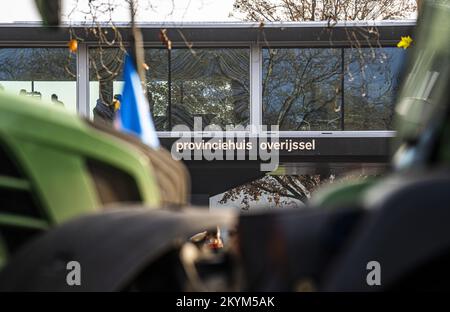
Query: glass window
[(212, 84), (105, 81), (157, 85), (45, 73), (301, 88), (209, 83), (372, 79)]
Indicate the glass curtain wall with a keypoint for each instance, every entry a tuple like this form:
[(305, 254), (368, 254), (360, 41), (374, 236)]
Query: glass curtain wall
[(316, 89)]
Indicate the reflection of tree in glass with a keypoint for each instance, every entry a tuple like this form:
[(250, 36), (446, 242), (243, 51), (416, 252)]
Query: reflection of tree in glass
[(105, 67), (208, 83), (212, 84), (301, 88), (37, 64), (156, 84), (372, 78)]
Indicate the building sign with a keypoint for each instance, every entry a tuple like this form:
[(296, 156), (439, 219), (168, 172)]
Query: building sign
[(264, 148), (326, 148), (248, 145)]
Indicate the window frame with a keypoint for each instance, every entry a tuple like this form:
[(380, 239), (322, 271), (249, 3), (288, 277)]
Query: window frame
[(342, 45), (255, 72), (175, 45)]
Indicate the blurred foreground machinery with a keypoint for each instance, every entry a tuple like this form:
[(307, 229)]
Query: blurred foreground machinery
[(128, 203)]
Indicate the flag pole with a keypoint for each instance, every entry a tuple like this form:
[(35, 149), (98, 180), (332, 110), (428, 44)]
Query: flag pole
[(134, 115), (137, 46)]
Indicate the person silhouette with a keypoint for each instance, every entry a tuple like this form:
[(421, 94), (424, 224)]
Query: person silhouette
[(103, 112), (55, 100), (117, 99)]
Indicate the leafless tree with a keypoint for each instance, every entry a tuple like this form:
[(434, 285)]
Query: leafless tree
[(324, 10)]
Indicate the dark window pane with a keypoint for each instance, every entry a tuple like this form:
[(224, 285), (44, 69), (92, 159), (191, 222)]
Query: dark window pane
[(40, 73), (371, 82), (301, 88), (212, 84)]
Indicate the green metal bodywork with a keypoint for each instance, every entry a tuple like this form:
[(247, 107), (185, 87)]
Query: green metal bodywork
[(50, 146)]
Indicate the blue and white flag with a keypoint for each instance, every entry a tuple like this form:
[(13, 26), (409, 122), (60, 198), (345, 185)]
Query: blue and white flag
[(134, 114)]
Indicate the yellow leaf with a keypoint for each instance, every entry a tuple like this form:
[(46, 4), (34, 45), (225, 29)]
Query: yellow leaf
[(73, 45), (405, 42)]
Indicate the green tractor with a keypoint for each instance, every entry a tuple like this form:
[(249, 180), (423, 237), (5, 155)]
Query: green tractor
[(59, 168), (56, 166)]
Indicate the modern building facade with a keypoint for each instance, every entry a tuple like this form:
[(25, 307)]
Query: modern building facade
[(331, 84)]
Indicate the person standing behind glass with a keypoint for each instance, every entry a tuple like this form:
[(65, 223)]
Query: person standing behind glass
[(56, 101), (116, 102), (103, 113)]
